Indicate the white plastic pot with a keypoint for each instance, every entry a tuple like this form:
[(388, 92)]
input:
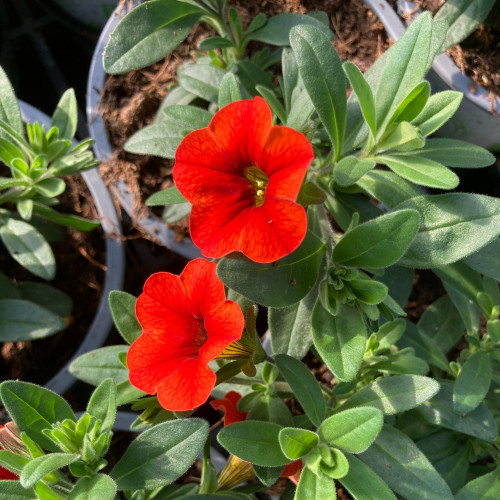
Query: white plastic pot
[(150, 223), (115, 262), (477, 119)]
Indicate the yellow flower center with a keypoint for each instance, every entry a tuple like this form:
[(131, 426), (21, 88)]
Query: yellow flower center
[(258, 179)]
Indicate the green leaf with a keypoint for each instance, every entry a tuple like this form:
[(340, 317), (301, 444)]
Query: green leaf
[(148, 33), (65, 116), (352, 430), (9, 108), (95, 366), (403, 137), (453, 226), (472, 383), (278, 284), (399, 280), (486, 260), (74, 221), (321, 70), (160, 455), (37, 468), (255, 442), (184, 117), (47, 296), (388, 334), (34, 409), (251, 75), (387, 187), (229, 91), (368, 291), (28, 247), (420, 170), (277, 29), (50, 187), (402, 363), (156, 140), (304, 386), (122, 306), (413, 103), (295, 443), (462, 278), (98, 487), (455, 153), (21, 320), (340, 340), (363, 484), (102, 404), (405, 67), (379, 242), (462, 17), (12, 490), (364, 94), (267, 475), (398, 461), (8, 153), (174, 213), (438, 110), (394, 394), (424, 346), (215, 42), (273, 102), (290, 327), (479, 423), (25, 208), (441, 321), (270, 408), (485, 487), (349, 170), (12, 462), (313, 487), (301, 109), (202, 80)]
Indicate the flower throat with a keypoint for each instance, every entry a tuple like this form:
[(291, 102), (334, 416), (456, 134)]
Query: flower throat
[(258, 179)]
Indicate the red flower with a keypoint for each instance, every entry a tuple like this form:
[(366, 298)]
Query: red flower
[(242, 176), (5, 473), (186, 323), (228, 405)]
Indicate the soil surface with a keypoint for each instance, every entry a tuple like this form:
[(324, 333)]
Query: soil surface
[(130, 101), (80, 260)]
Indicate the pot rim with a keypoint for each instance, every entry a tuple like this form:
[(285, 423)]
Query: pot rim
[(149, 222), (115, 261)]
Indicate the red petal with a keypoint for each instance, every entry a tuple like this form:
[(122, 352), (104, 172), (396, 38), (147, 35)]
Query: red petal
[(203, 288), (163, 307), (217, 229), (284, 148), (228, 405), (150, 361), (292, 468), (240, 130), (187, 388), (201, 168), (223, 325), (274, 230)]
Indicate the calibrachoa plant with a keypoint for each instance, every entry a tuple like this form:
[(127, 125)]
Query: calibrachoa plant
[(33, 164), (317, 209)]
